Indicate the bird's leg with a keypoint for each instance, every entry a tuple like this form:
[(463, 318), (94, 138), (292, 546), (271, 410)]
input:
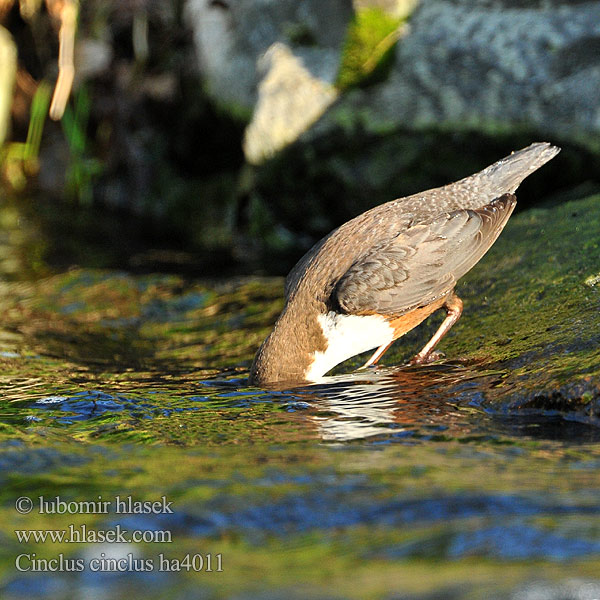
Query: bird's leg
[(377, 355), (453, 306)]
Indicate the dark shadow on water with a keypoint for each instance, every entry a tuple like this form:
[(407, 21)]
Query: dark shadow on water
[(547, 427)]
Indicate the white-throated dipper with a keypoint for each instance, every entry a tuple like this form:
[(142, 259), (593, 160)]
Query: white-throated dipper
[(381, 274)]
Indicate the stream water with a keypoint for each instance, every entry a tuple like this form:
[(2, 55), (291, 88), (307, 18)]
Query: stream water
[(401, 482)]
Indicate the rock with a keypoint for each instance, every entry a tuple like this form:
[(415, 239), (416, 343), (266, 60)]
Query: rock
[(487, 65), (290, 100), (491, 65), (231, 36)]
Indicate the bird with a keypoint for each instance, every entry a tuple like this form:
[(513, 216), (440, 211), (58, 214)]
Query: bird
[(382, 273)]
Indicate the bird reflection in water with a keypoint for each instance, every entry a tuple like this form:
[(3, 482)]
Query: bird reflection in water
[(402, 402)]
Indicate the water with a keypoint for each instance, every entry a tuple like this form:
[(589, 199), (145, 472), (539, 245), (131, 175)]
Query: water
[(459, 480)]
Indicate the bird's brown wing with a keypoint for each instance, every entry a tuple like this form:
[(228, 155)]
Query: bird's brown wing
[(423, 262)]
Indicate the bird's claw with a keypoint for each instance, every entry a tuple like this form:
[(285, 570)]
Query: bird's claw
[(427, 358)]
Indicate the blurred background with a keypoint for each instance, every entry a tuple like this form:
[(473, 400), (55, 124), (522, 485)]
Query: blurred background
[(227, 136)]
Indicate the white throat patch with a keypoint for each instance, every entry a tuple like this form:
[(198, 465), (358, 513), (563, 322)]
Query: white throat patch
[(348, 335)]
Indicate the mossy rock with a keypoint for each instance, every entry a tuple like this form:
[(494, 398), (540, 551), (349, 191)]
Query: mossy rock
[(367, 55)]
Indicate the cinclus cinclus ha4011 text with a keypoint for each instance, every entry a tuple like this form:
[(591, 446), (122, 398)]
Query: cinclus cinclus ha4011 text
[(381, 274)]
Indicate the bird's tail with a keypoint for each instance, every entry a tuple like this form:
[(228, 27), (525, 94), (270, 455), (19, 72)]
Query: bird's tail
[(505, 176)]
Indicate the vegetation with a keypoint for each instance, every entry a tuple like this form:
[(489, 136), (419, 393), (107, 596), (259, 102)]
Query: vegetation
[(369, 49), (82, 168), (19, 160)]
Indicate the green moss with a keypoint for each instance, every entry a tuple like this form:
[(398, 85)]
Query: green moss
[(367, 55)]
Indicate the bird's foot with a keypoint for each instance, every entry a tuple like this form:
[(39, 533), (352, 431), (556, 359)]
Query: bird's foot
[(425, 359)]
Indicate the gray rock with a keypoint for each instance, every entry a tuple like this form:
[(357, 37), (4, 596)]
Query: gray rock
[(488, 65), (231, 36), (290, 100), (475, 64)]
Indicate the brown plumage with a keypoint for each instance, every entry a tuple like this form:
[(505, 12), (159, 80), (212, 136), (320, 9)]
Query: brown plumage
[(389, 269)]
